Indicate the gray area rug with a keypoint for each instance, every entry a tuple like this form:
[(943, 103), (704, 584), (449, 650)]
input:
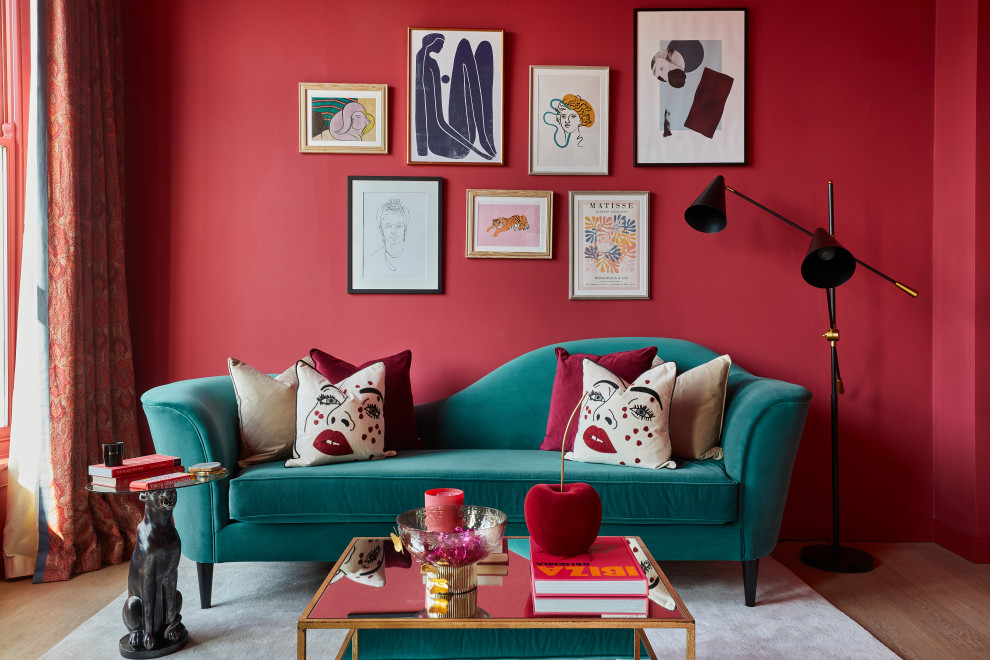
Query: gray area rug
[(256, 606)]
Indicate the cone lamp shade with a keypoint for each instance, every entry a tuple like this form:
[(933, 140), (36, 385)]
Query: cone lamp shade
[(707, 214), (827, 263)]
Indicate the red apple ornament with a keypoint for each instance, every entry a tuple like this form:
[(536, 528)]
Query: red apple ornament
[(563, 522), (563, 519)]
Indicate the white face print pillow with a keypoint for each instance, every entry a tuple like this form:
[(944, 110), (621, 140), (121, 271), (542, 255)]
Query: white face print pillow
[(341, 422), (623, 424)]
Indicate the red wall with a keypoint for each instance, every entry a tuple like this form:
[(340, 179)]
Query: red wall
[(237, 241), (961, 282)]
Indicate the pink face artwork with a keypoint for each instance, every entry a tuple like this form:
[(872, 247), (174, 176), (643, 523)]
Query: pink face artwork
[(623, 424), (607, 410), (334, 422)]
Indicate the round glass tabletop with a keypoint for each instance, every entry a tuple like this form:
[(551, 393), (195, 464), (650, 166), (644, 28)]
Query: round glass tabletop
[(97, 488)]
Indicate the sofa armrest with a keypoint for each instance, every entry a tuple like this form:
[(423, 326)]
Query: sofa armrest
[(197, 421), (762, 430)]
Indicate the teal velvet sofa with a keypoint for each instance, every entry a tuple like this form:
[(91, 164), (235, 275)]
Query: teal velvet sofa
[(485, 440)]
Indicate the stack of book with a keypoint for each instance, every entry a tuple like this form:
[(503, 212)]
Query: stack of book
[(606, 581), (140, 473)]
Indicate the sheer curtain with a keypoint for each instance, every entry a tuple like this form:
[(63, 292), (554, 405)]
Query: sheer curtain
[(80, 336)]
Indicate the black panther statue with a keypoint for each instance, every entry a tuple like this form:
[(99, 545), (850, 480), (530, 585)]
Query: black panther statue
[(151, 612)]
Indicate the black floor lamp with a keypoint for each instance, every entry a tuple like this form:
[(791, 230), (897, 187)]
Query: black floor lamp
[(826, 266)]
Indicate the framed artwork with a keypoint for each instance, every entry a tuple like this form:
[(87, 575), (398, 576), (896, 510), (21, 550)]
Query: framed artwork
[(394, 237), (516, 224), (609, 245), (568, 120), (690, 87), (343, 119), (455, 96)]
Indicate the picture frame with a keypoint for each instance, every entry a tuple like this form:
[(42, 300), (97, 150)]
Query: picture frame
[(343, 119), (689, 87), (568, 119), (510, 224), (440, 131), (394, 234), (609, 242)]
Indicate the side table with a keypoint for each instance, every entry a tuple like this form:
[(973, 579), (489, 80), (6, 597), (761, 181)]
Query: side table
[(151, 611)]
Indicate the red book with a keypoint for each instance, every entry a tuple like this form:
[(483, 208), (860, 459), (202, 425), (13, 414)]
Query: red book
[(134, 465), (162, 481), (608, 568), (125, 481)]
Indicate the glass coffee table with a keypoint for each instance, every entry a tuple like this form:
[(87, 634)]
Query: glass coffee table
[(374, 587)]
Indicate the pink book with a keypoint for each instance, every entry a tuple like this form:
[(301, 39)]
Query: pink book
[(608, 568), (162, 481), (134, 465), (124, 482)]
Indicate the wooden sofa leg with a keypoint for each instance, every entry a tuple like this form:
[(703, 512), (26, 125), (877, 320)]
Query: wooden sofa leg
[(205, 574), (750, 569)]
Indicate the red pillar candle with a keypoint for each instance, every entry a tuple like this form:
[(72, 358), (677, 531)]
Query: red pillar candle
[(443, 509)]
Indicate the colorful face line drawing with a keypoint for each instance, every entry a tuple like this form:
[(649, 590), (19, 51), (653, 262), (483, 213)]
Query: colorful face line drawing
[(606, 418), (567, 116), (352, 123)]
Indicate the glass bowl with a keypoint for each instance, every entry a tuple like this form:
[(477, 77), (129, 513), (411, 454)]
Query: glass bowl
[(452, 536)]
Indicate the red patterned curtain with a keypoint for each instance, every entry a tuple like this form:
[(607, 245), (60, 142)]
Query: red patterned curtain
[(91, 372)]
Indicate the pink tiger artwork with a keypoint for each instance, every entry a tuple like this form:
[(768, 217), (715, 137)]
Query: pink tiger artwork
[(515, 223)]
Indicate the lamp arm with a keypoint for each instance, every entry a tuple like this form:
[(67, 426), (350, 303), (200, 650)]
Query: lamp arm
[(770, 211), (900, 285)]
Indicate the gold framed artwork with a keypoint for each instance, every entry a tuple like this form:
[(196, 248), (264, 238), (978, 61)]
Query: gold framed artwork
[(609, 245), (510, 224), (455, 96), (343, 119), (568, 119)]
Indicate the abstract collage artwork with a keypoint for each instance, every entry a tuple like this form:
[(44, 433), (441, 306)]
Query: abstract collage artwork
[(690, 86)]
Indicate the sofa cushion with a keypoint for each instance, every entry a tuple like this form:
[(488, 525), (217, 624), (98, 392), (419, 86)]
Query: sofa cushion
[(697, 409), (623, 423), (266, 410), (339, 422), (567, 387), (400, 416), (377, 491)]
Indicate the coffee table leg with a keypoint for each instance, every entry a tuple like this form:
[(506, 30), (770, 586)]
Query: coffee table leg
[(301, 644), (641, 639), (690, 643)]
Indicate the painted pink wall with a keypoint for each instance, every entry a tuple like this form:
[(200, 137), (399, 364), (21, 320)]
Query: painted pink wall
[(237, 242), (982, 445), (960, 282)]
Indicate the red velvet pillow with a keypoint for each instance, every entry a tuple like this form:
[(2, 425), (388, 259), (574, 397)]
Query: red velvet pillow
[(400, 419), (569, 381)]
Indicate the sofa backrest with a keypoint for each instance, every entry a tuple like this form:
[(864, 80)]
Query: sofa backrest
[(508, 408)]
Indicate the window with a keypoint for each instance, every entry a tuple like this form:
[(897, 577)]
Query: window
[(14, 28)]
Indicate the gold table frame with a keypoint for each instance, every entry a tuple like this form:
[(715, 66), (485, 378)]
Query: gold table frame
[(637, 625)]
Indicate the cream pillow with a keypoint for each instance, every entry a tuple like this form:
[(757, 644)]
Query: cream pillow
[(622, 423), (698, 408), (266, 409), (339, 422)]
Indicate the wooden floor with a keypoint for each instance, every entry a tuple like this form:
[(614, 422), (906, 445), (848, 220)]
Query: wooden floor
[(922, 601)]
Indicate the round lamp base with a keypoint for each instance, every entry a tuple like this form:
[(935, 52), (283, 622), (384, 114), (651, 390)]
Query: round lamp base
[(837, 559)]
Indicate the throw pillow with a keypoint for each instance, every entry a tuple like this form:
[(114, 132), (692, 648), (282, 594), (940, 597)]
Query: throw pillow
[(567, 387), (698, 408), (622, 423), (339, 422), (266, 410), (401, 417)]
